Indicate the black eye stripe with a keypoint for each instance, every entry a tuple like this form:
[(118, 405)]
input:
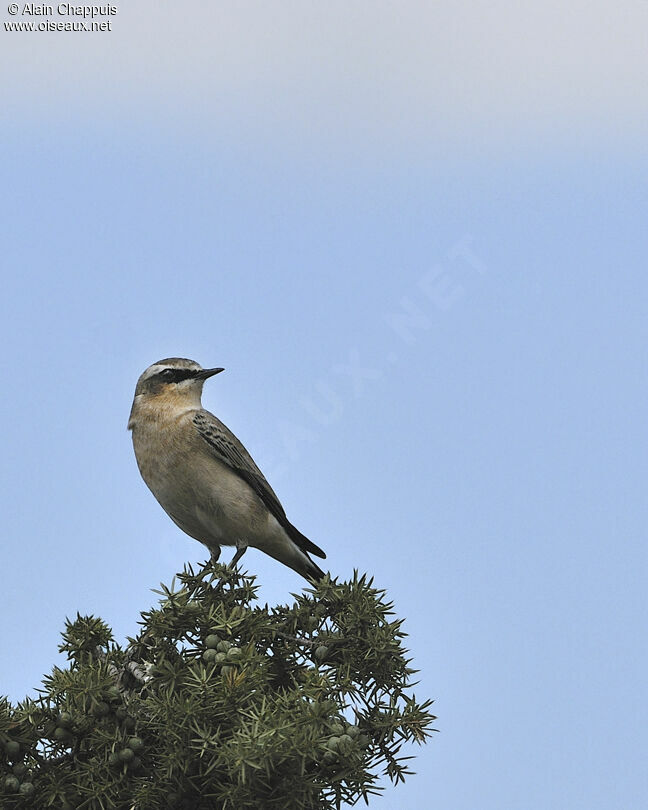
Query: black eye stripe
[(176, 374)]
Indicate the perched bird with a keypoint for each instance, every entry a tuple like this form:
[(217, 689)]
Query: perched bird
[(201, 474)]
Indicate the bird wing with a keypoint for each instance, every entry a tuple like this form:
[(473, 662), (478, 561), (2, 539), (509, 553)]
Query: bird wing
[(229, 450)]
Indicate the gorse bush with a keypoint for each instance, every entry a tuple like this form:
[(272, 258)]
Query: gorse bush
[(220, 703)]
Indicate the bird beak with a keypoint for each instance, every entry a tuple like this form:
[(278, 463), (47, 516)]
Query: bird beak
[(205, 373)]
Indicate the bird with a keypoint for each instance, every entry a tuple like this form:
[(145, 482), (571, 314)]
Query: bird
[(201, 474)]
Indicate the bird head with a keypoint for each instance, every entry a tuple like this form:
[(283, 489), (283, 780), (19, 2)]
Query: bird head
[(173, 384)]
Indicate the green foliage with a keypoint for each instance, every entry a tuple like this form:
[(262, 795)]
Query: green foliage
[(220, 703)]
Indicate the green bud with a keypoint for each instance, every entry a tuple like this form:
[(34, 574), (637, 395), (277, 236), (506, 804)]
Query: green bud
[(321, 652), (26, 789), (211, 642), (234, 652), (223, 646), (333, 743), (127, 755), (12, 748), (136, 743), (11, 784), (62, 734), (345, 743), (101, 709), (209, 656)]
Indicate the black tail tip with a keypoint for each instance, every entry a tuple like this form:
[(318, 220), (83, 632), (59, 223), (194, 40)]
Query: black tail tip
[(315, 573)]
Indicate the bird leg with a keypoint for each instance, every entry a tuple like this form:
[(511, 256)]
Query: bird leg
[(214, 556), (240, 551)]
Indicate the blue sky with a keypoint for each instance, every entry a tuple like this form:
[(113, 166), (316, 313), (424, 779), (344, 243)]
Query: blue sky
[(415, 237)]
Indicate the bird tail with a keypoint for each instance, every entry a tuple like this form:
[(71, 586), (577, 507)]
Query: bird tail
[(305, 565), (314, 572), (303, 542), (299, 561), (288, 552)]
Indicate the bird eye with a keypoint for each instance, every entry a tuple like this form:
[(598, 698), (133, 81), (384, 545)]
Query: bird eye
[(168, 374)]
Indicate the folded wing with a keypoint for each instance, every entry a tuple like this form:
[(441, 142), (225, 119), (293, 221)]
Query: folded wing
[(229, 450)]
